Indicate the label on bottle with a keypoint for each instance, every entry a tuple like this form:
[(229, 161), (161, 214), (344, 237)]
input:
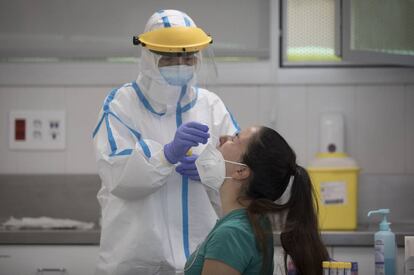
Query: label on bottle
[(379, 257), (409, 266), (354, 268), (333, 192)]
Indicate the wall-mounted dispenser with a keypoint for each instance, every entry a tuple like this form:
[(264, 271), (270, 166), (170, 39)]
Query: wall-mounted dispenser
[(334, 176)]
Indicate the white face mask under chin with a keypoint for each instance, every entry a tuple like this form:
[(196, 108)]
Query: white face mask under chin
[(211, 167)]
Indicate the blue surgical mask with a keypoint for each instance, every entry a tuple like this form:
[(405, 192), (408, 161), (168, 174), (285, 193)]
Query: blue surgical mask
[(177, 75)]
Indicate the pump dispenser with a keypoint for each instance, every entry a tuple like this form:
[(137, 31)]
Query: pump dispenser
[(385, 246)]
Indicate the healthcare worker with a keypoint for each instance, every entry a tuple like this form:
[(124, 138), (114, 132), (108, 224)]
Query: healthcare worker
[(154, 208)]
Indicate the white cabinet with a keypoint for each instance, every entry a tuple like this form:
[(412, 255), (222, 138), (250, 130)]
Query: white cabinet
[(49, 259)]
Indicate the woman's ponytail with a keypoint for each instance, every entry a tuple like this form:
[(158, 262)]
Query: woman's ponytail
[(300, 238)]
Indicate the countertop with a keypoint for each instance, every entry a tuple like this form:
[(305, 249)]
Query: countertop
[(49, 237), (362, 236)]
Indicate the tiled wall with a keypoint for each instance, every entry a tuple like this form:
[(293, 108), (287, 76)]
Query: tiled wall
[(379, 122), (82, 106), (379, 126)]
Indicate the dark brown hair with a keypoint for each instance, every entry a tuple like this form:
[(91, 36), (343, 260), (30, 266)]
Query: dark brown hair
[(273, 162)]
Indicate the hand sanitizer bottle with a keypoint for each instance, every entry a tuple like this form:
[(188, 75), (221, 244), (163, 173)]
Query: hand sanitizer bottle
[(385, 248)]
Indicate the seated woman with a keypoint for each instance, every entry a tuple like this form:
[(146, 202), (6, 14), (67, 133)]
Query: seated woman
[(261, 189)]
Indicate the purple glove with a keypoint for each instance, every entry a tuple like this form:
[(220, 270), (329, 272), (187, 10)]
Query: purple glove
[(188, 168), (187, 135)]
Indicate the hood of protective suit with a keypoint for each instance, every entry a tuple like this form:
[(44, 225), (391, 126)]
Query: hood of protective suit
[(163, 95)]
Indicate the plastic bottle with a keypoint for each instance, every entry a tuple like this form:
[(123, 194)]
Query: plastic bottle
[(347, 268), (354, 268), (409, 255), (341, 268), (334, 270), (385, 246), (325, 267)]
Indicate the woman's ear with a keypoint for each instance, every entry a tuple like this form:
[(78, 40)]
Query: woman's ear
[(241, 173)]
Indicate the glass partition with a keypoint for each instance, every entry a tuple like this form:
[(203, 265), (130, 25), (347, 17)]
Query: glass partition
[(78, 30)]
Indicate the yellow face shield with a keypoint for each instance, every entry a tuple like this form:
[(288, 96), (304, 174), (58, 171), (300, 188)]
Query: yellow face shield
[(174, 39)]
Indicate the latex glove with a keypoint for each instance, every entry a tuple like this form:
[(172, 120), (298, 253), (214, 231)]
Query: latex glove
[(187, 135), (188, 168)]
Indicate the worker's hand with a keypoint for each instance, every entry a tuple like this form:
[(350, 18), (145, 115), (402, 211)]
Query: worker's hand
[(188, 168), (187, 135)]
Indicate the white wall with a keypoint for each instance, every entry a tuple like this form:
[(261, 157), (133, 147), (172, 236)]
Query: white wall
[(378, 118), (378, 104)]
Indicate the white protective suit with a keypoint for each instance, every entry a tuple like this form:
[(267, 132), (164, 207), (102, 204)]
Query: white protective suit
[(152, 217)]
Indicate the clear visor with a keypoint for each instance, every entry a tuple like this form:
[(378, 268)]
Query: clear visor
[(172, 59), (205, 69), (207, 73)]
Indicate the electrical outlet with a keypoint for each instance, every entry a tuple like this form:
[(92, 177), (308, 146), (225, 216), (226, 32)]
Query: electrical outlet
[(37, 130)]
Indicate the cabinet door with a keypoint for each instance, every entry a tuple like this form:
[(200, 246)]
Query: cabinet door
[(51, 260), (365, 256)]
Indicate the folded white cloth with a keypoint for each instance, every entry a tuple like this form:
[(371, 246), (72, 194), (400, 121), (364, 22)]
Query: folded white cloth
[(46, 223)]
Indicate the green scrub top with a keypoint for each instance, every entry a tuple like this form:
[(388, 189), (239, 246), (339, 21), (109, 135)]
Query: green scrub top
[(232, 241)]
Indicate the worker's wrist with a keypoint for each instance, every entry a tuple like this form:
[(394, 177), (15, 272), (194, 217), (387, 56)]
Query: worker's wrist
[(168, 155)]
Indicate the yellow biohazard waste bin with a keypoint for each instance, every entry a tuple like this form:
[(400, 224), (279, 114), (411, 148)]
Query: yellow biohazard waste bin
[(335, 180)]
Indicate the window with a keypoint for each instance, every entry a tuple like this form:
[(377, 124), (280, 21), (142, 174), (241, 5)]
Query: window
[(347, 32), (379, 31), (308, 33)]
